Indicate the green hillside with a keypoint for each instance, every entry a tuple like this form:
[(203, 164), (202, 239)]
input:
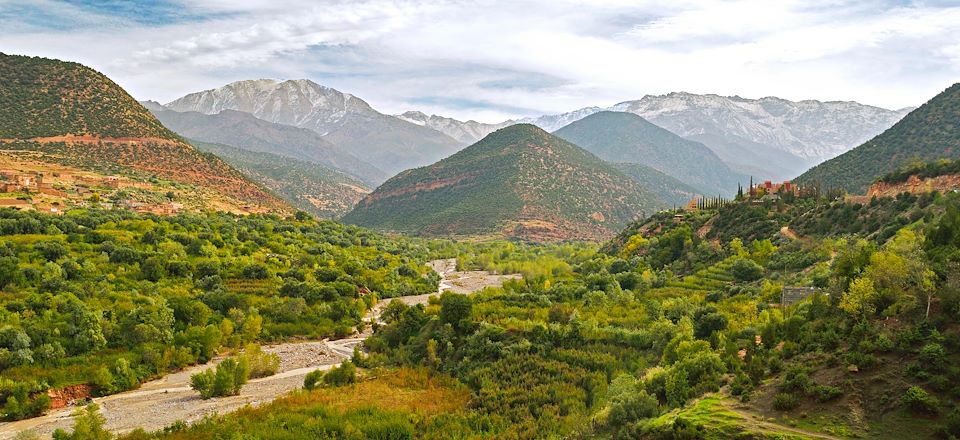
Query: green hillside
[(518, 181), (667, 188), (48, 99), (43, 97), (308, 186), (928, 133), (626, 137)]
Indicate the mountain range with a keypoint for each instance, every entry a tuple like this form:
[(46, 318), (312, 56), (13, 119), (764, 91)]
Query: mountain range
[(520, 182), (928, 133), (389, 143), (768, 137)]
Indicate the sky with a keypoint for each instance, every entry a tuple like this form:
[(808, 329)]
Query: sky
[(493, 60)]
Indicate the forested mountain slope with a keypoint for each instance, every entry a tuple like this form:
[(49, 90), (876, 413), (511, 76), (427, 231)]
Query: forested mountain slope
[(518, 181)]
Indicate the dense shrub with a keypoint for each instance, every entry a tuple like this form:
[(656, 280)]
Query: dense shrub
[(785, 401), (917, 399), (227, 379), (744, 269), (313, 379), (345, 374), (261, 364)]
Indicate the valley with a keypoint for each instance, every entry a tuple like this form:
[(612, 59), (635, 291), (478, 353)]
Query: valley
[(159, 403), (499, 220)]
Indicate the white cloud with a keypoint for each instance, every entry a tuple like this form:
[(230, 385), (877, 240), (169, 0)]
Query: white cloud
[(491, 60)]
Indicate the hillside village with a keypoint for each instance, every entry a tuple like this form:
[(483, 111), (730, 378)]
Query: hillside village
[(29, 185)]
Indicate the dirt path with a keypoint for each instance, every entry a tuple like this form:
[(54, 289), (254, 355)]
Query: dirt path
[(754, 421), (159, 403)]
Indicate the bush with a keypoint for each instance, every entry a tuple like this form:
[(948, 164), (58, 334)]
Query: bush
[(933, 357), (951, 426), (826, 393), (632, 407), (345, 374), (261, 364), (796, 379), (87, 425), (227, 379), (917, 399), (255, 272), (312, 379), (785, 401), (746, 270), (22, 405)]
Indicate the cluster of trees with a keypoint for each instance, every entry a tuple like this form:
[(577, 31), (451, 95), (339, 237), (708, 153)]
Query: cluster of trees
[(112, 298)]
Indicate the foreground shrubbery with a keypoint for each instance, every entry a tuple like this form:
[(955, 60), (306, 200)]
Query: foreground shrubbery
[(344, 374), (113, 298), (227, 379)]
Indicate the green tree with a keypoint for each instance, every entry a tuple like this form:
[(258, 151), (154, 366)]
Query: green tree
[(455, 310), (858, 300)]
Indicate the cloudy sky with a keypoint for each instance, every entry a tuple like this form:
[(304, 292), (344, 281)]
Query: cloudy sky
[(489, 60)]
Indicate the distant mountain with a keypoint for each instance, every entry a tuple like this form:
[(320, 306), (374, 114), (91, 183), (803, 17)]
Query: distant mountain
[(387, 142), (554, 122), (928, 133), (626, 137), (243, 130), (519, 181), (79, 117), (466, 132), (153, 106), (668, 189), (773, 136), (308, 186), (768, 137)]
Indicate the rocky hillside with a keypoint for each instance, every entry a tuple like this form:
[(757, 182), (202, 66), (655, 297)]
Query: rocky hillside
[(243, 130), (79, 117), (928, 133), (519, 181), (626, 137), (387, 142)]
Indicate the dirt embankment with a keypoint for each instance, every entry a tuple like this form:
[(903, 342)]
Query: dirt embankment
[(915, 185), (160, 403)]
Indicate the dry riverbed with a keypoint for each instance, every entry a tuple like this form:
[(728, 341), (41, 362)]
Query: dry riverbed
[(160, 403)]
